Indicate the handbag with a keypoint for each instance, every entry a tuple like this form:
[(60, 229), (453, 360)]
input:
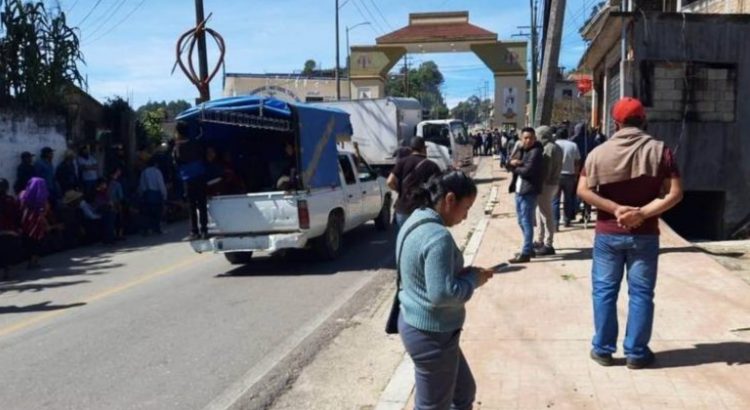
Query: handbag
[(391, 325)]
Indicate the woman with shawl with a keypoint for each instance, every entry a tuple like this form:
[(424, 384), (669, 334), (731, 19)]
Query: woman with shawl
[(34, 210)]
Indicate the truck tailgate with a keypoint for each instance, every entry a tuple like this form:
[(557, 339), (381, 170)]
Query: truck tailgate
[(254, 213)]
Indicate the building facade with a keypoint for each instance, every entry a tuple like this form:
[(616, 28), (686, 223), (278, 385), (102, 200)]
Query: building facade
[(691, 71), (287, 87)]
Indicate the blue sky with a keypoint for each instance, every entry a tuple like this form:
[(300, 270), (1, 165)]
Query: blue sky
[(129, 44)]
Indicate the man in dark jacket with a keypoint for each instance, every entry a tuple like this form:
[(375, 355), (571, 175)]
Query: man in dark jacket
[(528, 173), (410, 173), (24, 172), (189, 155)]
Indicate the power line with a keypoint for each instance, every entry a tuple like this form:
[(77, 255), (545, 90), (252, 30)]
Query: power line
[(111, 13), (72, 6), (89, 13), (359, 10), (372, 16), (127, 16), (377, 8)]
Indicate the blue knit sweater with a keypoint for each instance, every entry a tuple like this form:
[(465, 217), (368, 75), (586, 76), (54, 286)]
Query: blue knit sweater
[(432, 293)]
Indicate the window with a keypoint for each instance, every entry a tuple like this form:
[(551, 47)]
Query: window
[(437, 133), (346, 169), (364, 172), (459, 131), (567, 93)]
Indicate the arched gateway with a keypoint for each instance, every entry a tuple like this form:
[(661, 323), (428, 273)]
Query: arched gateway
[(446, 33)]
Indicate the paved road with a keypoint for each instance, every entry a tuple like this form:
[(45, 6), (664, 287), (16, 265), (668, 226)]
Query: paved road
[(150, 325)]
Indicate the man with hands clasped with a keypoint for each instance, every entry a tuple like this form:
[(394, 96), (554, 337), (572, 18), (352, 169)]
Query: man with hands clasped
[(631, 179)]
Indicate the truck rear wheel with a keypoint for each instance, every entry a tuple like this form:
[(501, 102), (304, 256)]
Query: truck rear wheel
[(239, 258), (383, 220), (328, 246)]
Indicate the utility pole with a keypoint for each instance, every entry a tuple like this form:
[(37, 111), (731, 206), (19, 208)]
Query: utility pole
[(202, 58), (549, 66), (338, 80)]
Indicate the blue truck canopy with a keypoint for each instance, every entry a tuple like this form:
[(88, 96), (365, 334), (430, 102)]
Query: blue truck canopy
[(316, 130)]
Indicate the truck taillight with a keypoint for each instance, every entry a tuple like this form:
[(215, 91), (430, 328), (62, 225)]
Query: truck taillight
[(303, 214)]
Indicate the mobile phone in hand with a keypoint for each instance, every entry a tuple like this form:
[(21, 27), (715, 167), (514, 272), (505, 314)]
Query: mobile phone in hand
[(500, 267)]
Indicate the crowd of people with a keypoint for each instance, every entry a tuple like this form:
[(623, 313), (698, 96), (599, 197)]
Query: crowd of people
[(80, 201), (631, 179)]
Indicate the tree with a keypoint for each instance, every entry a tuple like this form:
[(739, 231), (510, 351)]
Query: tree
[(310, 66), (170, 109), (151, 117), (39, 55), (473, 111), (424, 85)]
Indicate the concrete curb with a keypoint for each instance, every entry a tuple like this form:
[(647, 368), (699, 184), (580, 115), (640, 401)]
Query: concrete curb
[(399, 388)]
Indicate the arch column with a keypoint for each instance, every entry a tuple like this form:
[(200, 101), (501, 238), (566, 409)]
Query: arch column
[(369, 70), (507, 61)]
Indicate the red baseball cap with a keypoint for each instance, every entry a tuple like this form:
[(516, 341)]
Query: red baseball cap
[(627, 108)]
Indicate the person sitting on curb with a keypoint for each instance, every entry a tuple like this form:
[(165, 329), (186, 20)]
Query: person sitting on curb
[(10, 229)]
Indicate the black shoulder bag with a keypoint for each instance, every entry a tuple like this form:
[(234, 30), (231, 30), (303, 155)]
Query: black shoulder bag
[(391, 326)]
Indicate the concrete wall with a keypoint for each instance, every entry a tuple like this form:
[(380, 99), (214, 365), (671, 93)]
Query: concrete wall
[(21, 132), (710, 134)]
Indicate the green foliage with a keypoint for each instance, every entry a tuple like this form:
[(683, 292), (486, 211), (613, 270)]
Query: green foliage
[(117, 113), (473, 110), (170, 109), (310, 66), (152, 115), (424, 85), (39, 55)]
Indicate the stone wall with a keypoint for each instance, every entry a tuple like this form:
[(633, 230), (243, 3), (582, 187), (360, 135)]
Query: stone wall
[(22, 132), (695, 91)]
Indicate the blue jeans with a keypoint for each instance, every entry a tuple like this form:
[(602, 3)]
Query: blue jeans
[(525, 211), (612, 254), (443, 377)]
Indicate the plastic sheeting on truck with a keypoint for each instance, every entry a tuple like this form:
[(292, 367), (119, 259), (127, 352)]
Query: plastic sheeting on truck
[(317, 129)]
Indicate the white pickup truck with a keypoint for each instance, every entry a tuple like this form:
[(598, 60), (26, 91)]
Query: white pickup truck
[(316, 218)]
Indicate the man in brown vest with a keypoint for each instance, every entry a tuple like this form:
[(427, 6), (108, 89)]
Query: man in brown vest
[(631, 179)]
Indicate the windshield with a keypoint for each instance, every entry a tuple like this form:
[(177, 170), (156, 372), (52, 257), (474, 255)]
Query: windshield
[(436, 133), (458, 129)]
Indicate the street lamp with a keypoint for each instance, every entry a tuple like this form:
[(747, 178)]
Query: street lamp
[(348, 57)]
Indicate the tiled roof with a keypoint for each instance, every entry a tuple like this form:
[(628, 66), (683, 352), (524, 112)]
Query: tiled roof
[(437, 33)]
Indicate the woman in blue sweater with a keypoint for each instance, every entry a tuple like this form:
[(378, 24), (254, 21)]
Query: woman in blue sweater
[(435, 288)]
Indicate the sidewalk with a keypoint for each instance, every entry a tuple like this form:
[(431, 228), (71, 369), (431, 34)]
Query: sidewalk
[(527, 336)]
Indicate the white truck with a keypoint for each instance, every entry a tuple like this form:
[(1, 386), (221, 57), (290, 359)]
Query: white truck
[(380, 127), (448, 144), (332, 193)]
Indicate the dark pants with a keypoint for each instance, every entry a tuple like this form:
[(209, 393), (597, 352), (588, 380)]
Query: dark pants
[(568, 191), (443, 378), (198, 203), (152, 208)]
